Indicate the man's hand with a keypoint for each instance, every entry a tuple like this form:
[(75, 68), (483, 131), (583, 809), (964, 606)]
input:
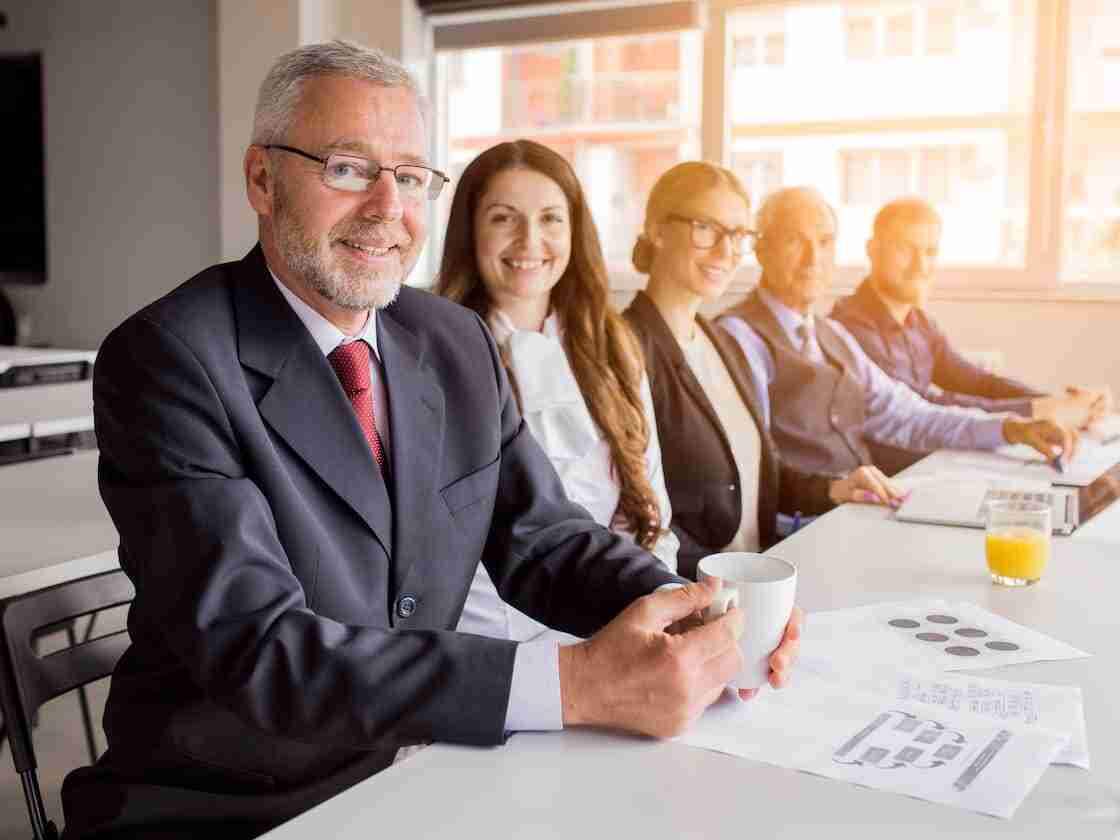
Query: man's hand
[(1051, 439), (633, 675), (1099, 401), (784, 657), (866, 484)]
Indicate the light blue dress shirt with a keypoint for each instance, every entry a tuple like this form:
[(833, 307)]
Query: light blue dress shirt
[(896, 416)]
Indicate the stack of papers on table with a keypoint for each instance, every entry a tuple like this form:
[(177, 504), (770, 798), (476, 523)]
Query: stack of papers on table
[(874, 707)]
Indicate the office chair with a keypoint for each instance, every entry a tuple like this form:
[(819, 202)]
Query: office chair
[(27, 681)]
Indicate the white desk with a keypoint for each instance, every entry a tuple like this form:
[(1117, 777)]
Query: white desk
[(54, 525), (583, 784), (44, 403)]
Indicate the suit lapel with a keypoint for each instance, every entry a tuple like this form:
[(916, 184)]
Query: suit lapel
[(305, 405), (416, 417), (664, 337)]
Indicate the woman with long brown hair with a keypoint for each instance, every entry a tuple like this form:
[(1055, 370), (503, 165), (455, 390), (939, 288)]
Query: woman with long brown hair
[(522, 251)]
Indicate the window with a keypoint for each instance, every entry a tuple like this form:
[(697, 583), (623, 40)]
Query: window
[(954, 100), (899, 37), (1091, 241), (621, 110), (861, 110), (859, 38), (775, 51), (753, 49), (760, 172), (941, 30)]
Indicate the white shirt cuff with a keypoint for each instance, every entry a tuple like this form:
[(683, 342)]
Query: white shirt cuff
[(534, 694), (990, 433)]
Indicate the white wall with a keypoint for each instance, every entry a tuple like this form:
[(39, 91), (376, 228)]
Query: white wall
[(131, 156)]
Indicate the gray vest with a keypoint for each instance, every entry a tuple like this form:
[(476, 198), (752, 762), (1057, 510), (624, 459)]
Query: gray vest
[(816, 410)]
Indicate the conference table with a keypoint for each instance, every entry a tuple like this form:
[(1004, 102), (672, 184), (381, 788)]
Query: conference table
[(584, 783), (53, 524)]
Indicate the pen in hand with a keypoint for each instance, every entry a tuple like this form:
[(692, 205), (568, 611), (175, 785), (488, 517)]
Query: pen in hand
[(1058, 461)]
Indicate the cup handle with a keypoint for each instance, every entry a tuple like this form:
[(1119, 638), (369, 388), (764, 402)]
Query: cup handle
[(724, 600)]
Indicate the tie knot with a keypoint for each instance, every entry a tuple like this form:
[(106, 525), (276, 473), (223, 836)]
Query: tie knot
[(805, 333), (351, 366)]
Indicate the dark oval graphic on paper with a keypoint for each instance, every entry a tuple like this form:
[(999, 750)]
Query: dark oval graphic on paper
[(971, 632), (932, 637), (905, 623), (961, 650), (1002, 645), (941, 619)]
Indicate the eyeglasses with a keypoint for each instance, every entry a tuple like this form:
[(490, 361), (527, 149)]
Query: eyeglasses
[(350, 173), (708, 234)]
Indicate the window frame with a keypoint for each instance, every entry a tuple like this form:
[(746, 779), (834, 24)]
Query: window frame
[(1047, 121)]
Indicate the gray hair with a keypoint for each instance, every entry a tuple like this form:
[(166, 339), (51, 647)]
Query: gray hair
[(777, 202), (281, 89)]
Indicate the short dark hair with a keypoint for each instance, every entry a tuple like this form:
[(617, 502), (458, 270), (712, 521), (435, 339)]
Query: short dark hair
[(904, 211)]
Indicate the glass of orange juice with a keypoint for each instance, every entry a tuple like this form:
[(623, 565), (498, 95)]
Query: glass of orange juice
[(1018, 541)]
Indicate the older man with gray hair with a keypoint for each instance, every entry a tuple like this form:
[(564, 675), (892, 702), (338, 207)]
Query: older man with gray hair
[(306, 462), (826, 400)]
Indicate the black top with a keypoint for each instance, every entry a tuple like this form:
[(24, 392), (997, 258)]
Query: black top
[(700, 471), (918, 353)]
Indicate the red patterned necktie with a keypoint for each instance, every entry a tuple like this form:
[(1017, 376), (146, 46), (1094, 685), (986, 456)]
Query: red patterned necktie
[(351, 366)]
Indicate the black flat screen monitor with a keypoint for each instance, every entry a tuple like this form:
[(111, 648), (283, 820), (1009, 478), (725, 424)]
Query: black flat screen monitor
[(23, 228)]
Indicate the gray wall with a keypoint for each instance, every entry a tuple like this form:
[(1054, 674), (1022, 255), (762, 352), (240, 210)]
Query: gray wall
[(131, 156)]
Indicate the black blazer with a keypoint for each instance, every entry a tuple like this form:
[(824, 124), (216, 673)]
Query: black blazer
[(294, 614), (700, 471)]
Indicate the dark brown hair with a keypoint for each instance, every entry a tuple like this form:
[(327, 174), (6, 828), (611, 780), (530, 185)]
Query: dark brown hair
[(606, 358)]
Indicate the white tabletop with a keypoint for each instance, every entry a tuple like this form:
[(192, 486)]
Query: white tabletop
[(580, 784), (54, 525), (41, 403)]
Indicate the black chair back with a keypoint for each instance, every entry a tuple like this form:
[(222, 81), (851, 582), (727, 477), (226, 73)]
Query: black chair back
[(28, 680)]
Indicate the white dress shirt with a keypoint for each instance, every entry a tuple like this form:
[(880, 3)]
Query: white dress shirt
[(557, 415), (895, 414)]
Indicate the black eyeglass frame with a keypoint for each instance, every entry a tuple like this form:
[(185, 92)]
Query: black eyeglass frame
[(722, 233), (439, 179)]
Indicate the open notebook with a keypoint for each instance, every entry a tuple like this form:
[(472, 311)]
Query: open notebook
[(964, 503)]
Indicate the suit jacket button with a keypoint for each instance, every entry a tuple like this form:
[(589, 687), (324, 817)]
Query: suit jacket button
[(406, 606)]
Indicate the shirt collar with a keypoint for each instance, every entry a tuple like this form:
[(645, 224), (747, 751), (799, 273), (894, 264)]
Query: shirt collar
[(873, 307), (790, 319), (502, 327), (327, 336)]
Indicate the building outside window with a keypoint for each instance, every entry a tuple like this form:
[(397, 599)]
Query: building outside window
[(621, 110)]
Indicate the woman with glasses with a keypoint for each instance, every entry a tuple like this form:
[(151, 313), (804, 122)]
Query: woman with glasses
[(725, 478), (523, 252)]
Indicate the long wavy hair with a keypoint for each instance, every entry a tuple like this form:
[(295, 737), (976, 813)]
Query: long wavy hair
[(603, 352)]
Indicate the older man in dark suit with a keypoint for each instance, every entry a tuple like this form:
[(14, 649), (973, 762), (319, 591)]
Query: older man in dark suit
[(306, 462)]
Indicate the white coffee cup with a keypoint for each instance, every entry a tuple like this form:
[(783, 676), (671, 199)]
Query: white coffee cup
[(763, 588)]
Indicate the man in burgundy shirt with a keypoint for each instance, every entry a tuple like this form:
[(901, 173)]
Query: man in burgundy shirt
[(886, 316)]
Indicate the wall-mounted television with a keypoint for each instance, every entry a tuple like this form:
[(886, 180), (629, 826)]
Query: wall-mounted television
[(23, 216)]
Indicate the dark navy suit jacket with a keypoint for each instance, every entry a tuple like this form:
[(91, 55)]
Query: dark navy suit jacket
[(274, 658)]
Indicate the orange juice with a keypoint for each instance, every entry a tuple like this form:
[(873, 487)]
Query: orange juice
[(1018, 552)]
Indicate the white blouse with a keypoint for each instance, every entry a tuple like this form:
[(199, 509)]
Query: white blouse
[(556, 414)]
